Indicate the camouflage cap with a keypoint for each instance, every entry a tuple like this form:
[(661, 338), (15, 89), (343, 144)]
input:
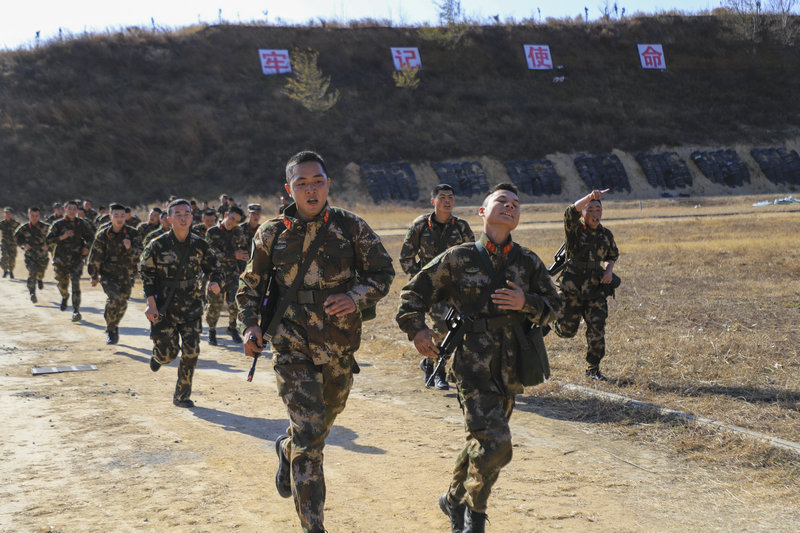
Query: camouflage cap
[(254, 208)]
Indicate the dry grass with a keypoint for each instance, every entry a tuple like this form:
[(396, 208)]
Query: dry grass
[(704, 323)]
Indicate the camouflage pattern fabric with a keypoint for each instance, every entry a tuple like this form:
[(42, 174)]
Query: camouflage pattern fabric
[(579, 284), (8, 245), (314, 351), (426, 239), (67, 256), (35, 258), (224, 244), (147, 228), (52, 217), (159, 266), (484, 367), (113, 264), (249, 232), (148, 237)]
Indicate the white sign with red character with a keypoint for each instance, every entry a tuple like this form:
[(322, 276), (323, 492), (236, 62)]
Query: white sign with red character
[(652, 56), (406, 58), (538, 56), (275, 61)]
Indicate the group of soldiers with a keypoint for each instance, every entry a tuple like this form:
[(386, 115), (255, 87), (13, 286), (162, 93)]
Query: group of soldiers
[(330, 269)]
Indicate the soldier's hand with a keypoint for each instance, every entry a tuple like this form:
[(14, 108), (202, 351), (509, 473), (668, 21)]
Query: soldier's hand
[(94, 282), (253, 343), (339, 305), (127, 243), (242, 255), (27, 246), (606, 277), (85, 251), (512, 297), (213, 287), (598, 194), (426, 341), (67, 234), (151, 312)]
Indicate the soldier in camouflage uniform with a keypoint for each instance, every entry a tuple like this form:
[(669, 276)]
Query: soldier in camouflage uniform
[(428, 236), (72, 238), (131, 219), (112, 261), (164, 227), (31, 237), (485, 364), (229, 244), (208, 220), (591, 254), (178, 323), (8, 245), (153, 223), (317, 337), (250, 226), (58, 213), (89, 214)]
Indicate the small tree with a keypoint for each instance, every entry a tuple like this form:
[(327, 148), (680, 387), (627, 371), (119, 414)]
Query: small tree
[(453, 26), (308, 86), (407, 78)]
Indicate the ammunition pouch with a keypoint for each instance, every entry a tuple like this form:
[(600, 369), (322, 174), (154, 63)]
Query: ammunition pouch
[(608, 289), (533, 367)]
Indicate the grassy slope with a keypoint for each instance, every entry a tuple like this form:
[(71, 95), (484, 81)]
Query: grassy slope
[(138, 116)]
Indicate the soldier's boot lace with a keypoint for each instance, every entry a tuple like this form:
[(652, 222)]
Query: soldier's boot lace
[(212, 336), (427, 368), (234, 334), (454, 512), (440, 381), (283, 480), (474, 522)]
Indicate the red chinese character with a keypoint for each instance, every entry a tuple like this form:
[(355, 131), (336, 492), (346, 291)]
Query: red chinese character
[(652, 58), (406, 58), (539, 57), (275, 62)]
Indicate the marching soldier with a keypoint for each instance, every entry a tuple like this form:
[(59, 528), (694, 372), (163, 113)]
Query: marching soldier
[(153, 223), (502, 285), (164, 227), (171, 267), (428, 236), (591, 255), (230, 246), (72, 238), (112, 262), (8, 245), (250, 226), (31, 237), (316, 339), (58, 213)]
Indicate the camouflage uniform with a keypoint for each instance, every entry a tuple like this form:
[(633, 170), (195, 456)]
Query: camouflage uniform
[(52, 217), (147, 228), (224, 244), (67, 257), (35, 258), (249, 232), (314, 352), (580, 284), (8, 245), (485, 365), (113, 265), (160, 270), (149, 237)]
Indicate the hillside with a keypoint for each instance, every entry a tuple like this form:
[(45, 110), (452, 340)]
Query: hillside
[(137, 116)]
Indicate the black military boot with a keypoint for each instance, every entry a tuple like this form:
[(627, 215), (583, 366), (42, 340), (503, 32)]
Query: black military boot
[(234, 334), (474, 522), (11, 275), (454, 512), (426, 367), (5, 273), (283, 480), (33, 297), (595, 374), (40, 284), (154, 365), (76, 315), (64, 303), (440, 381), (113, 336), (212, 336)]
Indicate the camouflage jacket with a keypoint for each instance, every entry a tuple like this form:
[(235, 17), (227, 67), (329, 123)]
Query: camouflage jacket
[(200, 229), (160, 269), (49, 219), (147, 238), (350, 260), (109, 257), (147, 228), (249, 232), (426, 239), (35, 236), (586, 248), (69, 250), (7, 229), (486, 360), (224, 244)]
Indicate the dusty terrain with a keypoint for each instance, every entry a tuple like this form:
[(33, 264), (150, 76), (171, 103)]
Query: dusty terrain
[(107, 451)]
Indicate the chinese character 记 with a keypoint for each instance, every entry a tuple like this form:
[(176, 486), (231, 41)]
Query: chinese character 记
[(538, 56), (275, 61), (406, 58)]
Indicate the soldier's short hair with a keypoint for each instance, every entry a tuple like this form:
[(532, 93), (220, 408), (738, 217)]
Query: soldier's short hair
[(116, 207), (176, 202), (71, 202), (56, 205), (442, 187), (33, 208), (237, 210), (8, 209), (210, 213), (254, 208), (156, 210), (192, 203), (510, 187), (306, 156), (127, 209)]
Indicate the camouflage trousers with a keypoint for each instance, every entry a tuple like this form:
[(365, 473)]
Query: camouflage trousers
[(171, 337), (117, 290), (36, 263), (594, 312), (8, 257), (487, 449), (314, 395), (227, 294), (69, 273)]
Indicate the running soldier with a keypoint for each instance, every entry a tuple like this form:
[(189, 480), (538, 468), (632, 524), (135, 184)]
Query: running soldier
[(250, 226), (171, 267), (591, 255), (164, 227), (57, 214), (72, 238), (485, 363), (31, 237), (316, 339), (428, 236), (153, 223), (112, 262), (229, 244), (8, 245)]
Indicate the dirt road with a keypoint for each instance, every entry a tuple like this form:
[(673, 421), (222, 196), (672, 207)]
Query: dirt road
[(107, 450)]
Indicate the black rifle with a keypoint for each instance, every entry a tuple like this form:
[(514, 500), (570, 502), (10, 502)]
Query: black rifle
[(266, 308), (560, 261), (456, 327)]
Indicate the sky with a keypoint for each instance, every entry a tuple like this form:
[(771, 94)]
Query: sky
[(21, 19)]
